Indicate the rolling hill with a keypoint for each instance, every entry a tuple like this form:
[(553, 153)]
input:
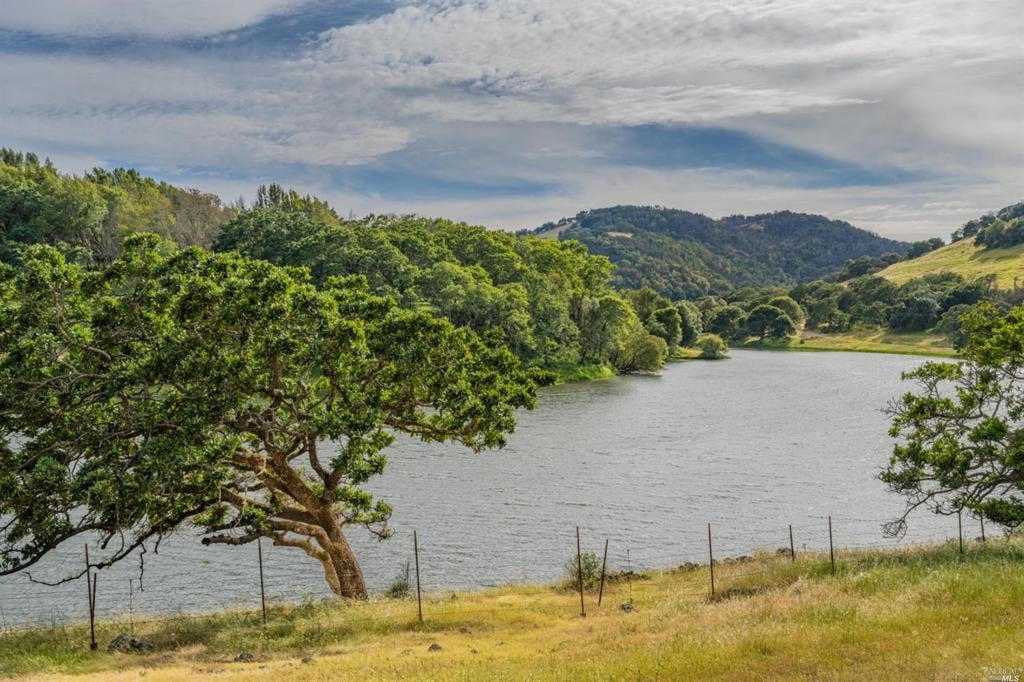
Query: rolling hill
[(967, 259), (687, 255)]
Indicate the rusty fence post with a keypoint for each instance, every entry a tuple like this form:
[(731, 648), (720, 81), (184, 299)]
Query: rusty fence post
[(831, 551), (711, 561), (792, 549), (579, 572), (263, 589), (419, 595), (604, 564)]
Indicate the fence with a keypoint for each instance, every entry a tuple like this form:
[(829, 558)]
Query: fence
[(619, 560)]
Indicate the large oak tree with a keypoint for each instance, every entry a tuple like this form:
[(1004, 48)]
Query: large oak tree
[(176, 388)]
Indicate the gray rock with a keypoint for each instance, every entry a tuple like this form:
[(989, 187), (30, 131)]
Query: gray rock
[(244, 657), (434, 647), (125, 643), (628, 608)]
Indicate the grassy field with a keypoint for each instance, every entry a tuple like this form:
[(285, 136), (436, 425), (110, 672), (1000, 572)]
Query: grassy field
[(925, 613), (864, 341), (964, 258)]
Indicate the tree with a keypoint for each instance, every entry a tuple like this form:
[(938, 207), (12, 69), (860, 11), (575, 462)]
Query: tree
[(790, 307), (639, 351), (918, 249), (666, 323), (766, 321), (225, 393), (961, 432), (712, 347), (692, 324), (727, 322)]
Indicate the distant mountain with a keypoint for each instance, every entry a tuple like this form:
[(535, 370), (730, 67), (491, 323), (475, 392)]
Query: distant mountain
[(687, 255)]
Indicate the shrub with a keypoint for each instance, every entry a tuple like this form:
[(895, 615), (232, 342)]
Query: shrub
[(400, 588), (591, 570), (712, 347)]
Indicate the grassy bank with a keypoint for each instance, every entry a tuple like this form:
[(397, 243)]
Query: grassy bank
[(925, 613), (568, 372), (864, 341)]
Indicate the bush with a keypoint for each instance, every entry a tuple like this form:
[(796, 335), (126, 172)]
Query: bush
[(712, 347), (400, 588), (591, 570)]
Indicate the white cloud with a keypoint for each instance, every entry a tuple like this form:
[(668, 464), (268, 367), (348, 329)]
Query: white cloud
[(520, 89), (156, 18)]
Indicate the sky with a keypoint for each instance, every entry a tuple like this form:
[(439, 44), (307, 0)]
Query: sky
[(904, 118)]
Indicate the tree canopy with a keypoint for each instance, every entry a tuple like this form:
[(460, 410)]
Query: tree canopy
[(184, 387), (961, 433)]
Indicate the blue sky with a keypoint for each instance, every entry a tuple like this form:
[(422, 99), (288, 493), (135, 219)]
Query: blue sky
[(905, 118)]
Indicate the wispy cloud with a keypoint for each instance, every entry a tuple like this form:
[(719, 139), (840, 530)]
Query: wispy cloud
[(160, 18), (496, 110)]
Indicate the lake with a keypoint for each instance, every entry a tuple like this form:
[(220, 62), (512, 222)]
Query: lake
[(751, 445)]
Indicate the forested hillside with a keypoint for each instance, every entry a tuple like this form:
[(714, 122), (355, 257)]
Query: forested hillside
[(688, 255), (550, 302)]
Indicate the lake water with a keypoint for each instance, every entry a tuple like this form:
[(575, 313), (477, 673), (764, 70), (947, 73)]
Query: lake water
[(751, 445)]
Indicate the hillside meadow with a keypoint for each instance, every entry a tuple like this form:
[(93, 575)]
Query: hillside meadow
[(966, 259)]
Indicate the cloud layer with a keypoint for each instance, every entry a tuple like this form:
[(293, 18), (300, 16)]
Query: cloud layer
[(907, 117)]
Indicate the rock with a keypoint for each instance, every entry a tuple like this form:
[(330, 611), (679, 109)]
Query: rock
[(434, 647), (307, 660), (125, 643), (783, 551), (628, 607), (473, 651), (244, 657)]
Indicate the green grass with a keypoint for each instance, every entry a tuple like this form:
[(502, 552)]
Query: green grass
[(864, 341), (921, 613), (966, 259), (567, 372)]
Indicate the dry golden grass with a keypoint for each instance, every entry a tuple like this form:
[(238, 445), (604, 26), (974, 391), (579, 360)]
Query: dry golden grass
[(920, 614)]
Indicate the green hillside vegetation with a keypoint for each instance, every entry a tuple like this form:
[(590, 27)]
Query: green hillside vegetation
[(90, 215), (551, 302), (967, 259), (681, 254)]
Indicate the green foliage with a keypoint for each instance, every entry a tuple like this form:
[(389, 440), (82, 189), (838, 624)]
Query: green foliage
[(767, 321), (961, 434), (687, 255), (727, 322), (549, 300), (691, 323), (919, 248), (185, 386), (712, 347), (639, 350), (1008, 215), (95, 212), (401, 586), (587, 565), (787, 305)]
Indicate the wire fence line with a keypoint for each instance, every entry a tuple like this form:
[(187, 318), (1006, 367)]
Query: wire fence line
[(623, 569)]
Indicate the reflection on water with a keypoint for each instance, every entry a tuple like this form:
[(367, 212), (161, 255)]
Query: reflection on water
[(751, 444)]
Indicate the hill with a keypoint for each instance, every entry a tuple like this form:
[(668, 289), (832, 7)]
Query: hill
[(967, 259), (883, 615), (687, 255)]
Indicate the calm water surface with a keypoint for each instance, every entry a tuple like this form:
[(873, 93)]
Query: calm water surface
[(751, 445)]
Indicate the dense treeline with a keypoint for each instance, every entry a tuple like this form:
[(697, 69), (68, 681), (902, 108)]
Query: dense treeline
[(995, 230), (90, 215), (550, 301), (688, 255)]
